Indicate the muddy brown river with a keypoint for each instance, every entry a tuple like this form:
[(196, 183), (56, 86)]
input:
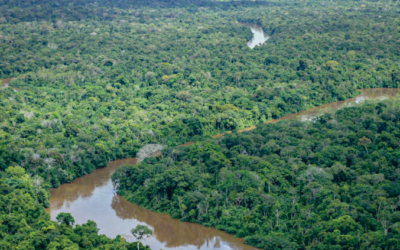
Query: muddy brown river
[(6, 82), (92, 197)]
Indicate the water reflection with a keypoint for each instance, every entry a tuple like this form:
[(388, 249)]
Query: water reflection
[(259, 36), (173, 233), (92, 197), (83, 188)]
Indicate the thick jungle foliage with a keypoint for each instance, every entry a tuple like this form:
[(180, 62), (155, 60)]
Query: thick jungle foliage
[(290, 185), (26, 225), (98, 80)]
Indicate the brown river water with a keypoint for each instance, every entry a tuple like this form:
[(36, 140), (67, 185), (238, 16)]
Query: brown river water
[(6, 82), (92, 197)]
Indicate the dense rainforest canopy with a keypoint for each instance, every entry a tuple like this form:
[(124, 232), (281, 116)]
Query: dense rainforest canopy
[(332, 183), (25, 224), (97, 80)]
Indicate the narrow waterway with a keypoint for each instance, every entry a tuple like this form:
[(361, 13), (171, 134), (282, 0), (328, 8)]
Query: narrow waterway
[(259, 36), (92, 197), (309, 114)]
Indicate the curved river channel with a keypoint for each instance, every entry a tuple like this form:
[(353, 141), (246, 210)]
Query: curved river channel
[(92, 197)]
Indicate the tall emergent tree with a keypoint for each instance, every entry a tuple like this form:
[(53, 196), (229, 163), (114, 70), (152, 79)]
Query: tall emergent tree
[(140, 232)]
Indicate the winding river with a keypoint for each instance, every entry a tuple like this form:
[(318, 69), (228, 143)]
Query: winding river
[(92, 197)]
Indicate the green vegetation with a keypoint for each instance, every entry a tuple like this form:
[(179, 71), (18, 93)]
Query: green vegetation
[(141, 232), (98, 80), (25, 224), (333, 183)]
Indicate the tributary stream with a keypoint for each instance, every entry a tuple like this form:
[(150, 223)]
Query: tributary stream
[(92, 197)]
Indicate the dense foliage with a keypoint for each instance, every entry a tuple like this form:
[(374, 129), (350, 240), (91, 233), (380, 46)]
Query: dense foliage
[(332, 183), (98, 80), (26, 225)]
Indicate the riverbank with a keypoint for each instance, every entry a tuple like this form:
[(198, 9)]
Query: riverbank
[(92, 197), (261, 183), (308, 114)]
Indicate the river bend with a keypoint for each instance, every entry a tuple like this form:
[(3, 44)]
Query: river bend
[(92, 197)]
